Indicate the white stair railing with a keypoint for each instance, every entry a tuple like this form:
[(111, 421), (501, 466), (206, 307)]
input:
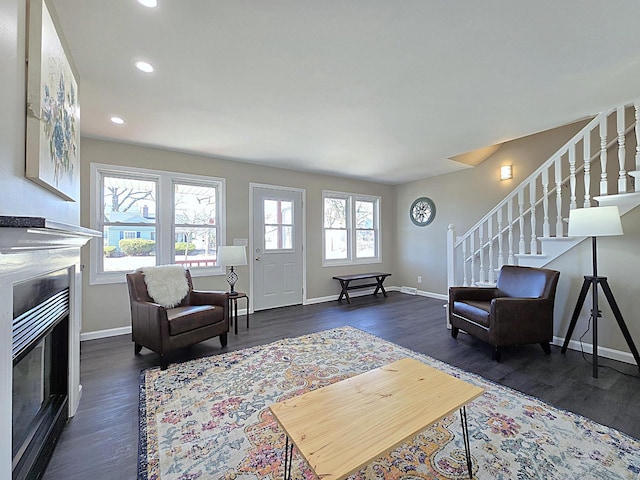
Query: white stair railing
[(531, 212)]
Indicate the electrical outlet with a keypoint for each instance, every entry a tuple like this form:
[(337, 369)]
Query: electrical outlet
[(419, 278)]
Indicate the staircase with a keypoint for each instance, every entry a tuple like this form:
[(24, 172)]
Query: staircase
[(599, 166)]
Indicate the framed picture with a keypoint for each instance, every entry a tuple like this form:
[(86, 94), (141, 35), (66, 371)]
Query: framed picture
[(53, 108)]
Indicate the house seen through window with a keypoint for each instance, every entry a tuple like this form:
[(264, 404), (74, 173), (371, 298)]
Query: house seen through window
[(154, 218)]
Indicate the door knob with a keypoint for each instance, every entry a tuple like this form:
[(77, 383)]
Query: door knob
[(258, 259)]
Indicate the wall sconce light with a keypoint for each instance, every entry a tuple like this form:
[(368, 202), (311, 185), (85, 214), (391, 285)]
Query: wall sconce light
[(506, 172)]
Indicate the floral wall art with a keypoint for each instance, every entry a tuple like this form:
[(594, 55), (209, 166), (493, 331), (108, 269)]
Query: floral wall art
[(53, 110)]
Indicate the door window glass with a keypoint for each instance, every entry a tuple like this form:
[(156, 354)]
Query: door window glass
[(278, 224)]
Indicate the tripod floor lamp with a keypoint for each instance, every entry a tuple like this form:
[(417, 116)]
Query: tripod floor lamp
[(597, 222)]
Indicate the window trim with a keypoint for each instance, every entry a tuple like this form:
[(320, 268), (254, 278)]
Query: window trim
[(351, 199), (165, 181)]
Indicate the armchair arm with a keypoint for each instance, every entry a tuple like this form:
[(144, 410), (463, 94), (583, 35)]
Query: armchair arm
[(149, 324), (208, 297), (522, 320), (472, 293)]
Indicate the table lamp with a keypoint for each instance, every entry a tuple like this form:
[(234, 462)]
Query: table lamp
[(232, 256)]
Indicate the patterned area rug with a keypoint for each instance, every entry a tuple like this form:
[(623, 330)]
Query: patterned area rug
[(209, 419)]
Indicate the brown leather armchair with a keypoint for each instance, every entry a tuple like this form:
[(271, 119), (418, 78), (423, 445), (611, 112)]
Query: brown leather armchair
[(518, 311), (200, 316)]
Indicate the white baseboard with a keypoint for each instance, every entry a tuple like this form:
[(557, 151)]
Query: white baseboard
[(359, 293), (605, 352), (114, 332), (439, 296), (111, 332)]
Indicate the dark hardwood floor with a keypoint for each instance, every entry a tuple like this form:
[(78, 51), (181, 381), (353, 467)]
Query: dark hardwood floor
[(101, 441)]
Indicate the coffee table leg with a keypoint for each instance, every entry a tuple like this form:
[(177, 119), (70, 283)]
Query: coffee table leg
[(465, 438), (288, 459)]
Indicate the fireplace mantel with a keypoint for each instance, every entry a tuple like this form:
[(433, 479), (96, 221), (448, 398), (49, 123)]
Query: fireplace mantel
[(31, 247), (38, 233)]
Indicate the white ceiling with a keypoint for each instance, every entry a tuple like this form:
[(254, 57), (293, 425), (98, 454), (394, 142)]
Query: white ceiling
[(372, 89)]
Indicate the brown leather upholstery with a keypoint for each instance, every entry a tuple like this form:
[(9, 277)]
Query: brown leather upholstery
[(518, 311), (199, 316)]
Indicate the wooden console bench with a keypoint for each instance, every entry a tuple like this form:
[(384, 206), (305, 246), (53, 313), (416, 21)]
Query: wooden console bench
[(346, 279)]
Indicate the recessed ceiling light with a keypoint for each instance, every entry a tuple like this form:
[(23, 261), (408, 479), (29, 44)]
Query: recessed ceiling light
[(148, 3), (117, 120), (144, 67)]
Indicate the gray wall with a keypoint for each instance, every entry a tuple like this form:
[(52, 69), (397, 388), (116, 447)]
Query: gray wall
[(18, 195), (106, 306), (462, 198), (619, 260)]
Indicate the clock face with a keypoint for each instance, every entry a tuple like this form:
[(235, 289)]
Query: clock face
[(422, 211)]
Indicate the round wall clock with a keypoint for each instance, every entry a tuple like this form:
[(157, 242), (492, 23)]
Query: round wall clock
[(422, 211)]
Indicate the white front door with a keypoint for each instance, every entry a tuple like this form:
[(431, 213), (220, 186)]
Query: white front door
[(276, 250)]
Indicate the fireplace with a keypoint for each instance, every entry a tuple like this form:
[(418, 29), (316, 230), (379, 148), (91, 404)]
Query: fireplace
[(40, 351), (40, 310)]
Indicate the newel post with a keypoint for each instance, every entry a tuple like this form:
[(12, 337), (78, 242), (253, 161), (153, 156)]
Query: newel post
[(451, 255), (451, 264)]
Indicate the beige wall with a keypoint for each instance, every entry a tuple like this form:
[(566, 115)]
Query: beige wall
[(106, 306)]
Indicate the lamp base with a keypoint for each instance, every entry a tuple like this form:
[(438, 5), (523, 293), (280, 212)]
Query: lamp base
[(232, 278), (595, 313)]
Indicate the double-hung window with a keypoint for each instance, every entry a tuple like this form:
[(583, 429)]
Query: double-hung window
[(351, 228), (150, 217)]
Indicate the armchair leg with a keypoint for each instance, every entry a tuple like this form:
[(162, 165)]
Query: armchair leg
[(454, 331), (137, 348), (546, 347), (163, 362), (496, 354), (223, 339)]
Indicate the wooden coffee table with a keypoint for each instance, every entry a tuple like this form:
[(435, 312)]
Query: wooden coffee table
[(342, 427)]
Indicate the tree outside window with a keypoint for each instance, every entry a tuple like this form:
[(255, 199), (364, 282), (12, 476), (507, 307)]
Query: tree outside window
[(151, 217), (350, 228)]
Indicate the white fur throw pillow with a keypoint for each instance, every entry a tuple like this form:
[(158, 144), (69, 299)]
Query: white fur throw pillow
[(166, 284)]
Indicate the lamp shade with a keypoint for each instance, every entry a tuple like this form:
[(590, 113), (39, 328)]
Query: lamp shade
[(232, 255), (595, 222)]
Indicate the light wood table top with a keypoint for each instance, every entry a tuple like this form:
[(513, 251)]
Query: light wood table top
[(342, 427)]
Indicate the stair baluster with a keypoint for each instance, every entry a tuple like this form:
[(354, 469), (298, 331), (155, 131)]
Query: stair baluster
[(521, 249), (572, 177), (636, 173), (476, 247), (472, 253), (511, 258), (586, 150), (622, 174), (558, 178), (465, 280), (490, 278), (603, 156), (500, 239), (482, 274), (545, 204), (532, 201)]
